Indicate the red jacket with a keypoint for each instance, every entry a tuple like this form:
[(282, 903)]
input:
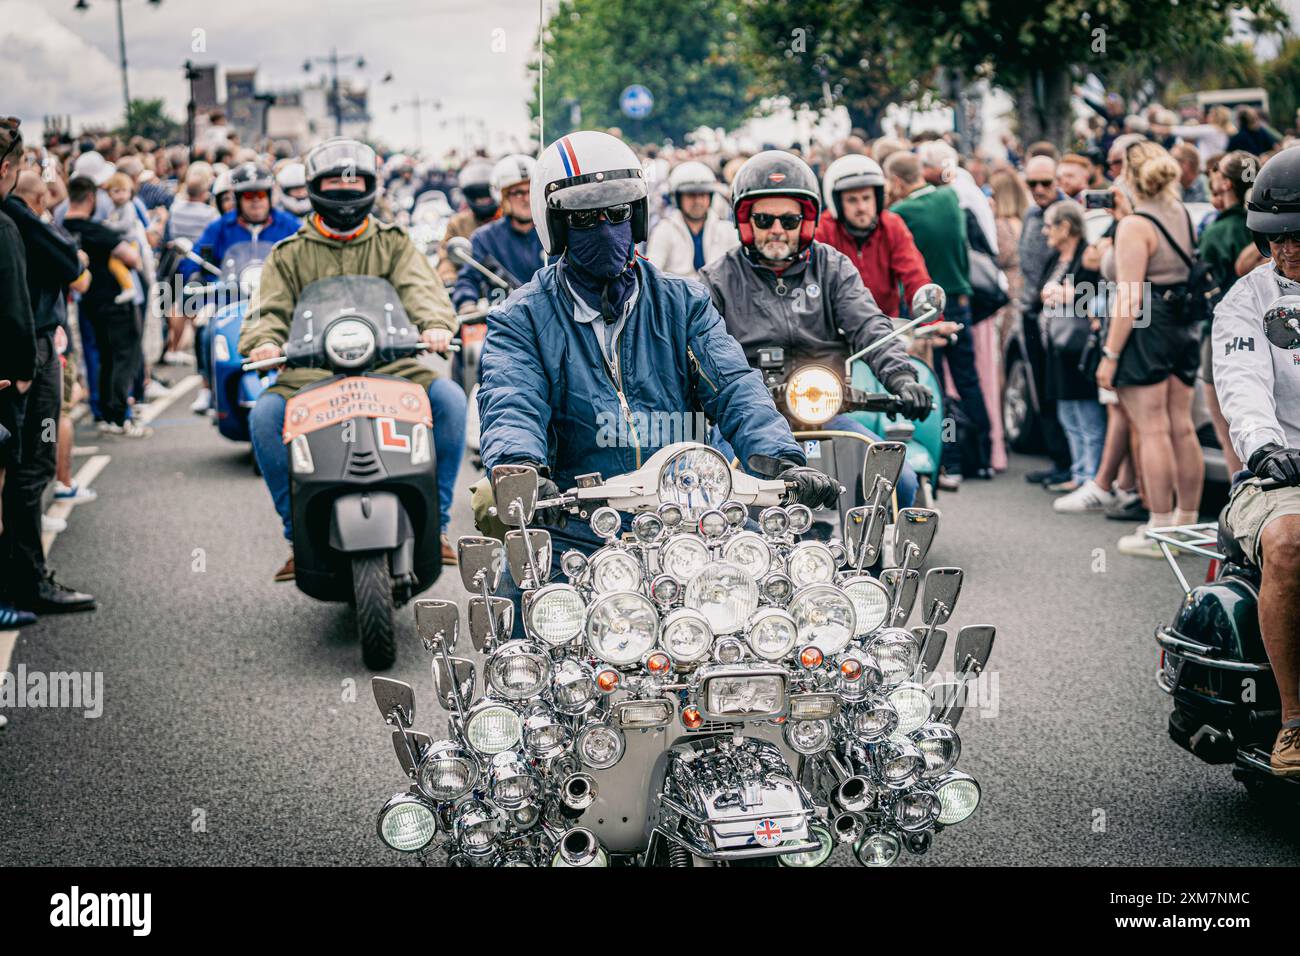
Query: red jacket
[(887, 258)]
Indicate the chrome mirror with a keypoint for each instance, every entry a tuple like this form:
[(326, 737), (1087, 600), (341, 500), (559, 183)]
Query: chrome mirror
[(929, 296), (859, 523), (529, 557), (932, 641), (515, 489), (914, 532), (1282, 322), (396, 700), (939, 596), (901, 586), (410, 744), (974, 645), (946, 703), (454, 693), (485, 628), (459, 250), (438, 624), (881, 468), (480, 561)]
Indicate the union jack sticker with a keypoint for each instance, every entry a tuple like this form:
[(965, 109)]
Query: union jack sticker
[(768, 832)]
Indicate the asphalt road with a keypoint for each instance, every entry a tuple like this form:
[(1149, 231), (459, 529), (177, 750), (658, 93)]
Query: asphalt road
[(238, 726)]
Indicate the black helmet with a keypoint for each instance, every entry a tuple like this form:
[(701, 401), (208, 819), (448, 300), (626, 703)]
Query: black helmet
[(251, 178), (775, 172), (1273, 205), (342, 209)]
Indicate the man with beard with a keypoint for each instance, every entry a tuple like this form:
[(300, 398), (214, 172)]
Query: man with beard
[(779, 288), (601, 339), (690, 234), (510, 246)]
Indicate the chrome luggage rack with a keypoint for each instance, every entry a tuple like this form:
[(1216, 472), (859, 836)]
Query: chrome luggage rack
[(1201, 539)]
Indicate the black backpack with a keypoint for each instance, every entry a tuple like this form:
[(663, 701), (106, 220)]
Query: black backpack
[(1201, 290)]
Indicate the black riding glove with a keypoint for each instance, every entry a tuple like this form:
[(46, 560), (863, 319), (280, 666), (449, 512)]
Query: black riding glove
[(555, 516), (1272, 462), (915, 397), (810, 487)]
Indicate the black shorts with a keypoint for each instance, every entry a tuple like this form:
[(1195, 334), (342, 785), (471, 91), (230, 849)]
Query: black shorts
[(1166, 346)]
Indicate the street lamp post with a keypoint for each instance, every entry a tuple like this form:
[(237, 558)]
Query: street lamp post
[(333, 61), (417, 104), (83, 6)]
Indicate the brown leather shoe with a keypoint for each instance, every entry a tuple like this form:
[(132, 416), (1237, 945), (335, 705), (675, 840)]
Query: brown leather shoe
[(286, 573), (448, 551), (1285, 760)]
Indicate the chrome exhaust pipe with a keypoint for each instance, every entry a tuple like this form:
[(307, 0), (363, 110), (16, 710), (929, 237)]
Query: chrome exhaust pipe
[(848, 827), (856, 794), (578, 847), (578, 791)]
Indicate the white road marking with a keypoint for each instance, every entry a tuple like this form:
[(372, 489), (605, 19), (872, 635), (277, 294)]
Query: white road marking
[(154, 409)]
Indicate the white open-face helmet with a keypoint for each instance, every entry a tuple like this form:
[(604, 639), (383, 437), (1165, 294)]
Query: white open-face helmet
[(691, 177), (513, 169), (585, 170), (292, 176), (854, 171)]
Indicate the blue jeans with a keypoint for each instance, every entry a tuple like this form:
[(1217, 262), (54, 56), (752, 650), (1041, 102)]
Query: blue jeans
[(266, 426), (1084, 422), (907, 480), (203, 352)]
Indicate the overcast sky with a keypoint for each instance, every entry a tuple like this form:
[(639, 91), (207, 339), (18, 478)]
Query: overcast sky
[(470, 54)]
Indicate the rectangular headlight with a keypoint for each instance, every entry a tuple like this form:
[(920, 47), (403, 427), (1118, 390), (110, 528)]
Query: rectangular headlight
[(633, 714), (814, 706), (744, 693)]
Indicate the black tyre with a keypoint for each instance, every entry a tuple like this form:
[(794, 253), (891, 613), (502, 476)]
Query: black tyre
[(372, 589), (1019, 418)]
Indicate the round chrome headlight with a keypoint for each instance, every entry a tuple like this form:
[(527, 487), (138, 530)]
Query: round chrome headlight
[(940, 746), (573, 687), (772, 633), (447, 772), (647, 527), (801, 518), (685, 635), (683, 556), (871, 720), (959, 795), (600, 746), (513, 783), (518, 670), (777, 588), (477, 827), (916, 809), (814, 394), (613, 569), (696, 478), (810, 562), (555, 614), (857, 674), (545, 734), (870, 602), (878, 846), (808, 736), (824, 616), (749, 552), (621, 627), (349, 343), (725, 595), (407, 823), (774, 522), (492, 727), (250, 280), (826, 845), (913, 705), (895, 650), (898, 763), (665, 590)]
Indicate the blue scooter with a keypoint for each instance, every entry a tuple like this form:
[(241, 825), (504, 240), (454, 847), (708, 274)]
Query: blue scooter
[(923, 439), (234, 391)]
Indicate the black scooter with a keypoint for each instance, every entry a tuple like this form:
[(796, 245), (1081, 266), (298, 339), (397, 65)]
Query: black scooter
[(363, 470), (1212, 660)]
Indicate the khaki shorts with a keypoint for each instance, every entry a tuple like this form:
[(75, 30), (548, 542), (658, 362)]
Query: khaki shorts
[(1251, 510), (69, 384)]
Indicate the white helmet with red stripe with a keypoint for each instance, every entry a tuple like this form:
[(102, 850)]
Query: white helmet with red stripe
[(585, 170)]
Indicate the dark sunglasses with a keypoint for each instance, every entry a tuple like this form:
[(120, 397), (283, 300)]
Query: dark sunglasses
[(1035, 183), (1281, 237), (765, 220), (586, 218)]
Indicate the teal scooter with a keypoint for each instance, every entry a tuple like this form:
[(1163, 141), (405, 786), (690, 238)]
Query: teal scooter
[(923, 439)]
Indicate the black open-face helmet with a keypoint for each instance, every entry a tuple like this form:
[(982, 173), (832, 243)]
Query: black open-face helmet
[(1273, 204)]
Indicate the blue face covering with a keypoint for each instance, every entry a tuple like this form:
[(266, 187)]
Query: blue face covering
[(599, 266)]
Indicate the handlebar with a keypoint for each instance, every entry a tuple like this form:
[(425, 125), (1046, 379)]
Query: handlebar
[(452, 346)]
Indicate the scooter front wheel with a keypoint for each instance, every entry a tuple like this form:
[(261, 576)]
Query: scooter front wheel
[(372, 588)]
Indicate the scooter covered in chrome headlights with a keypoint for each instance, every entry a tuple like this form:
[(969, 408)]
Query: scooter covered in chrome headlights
[(707, 690)]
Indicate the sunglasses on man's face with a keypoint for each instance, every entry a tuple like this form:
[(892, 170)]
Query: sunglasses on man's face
[(586, 218), (1281, 237), (765, 220), (1040, 183)]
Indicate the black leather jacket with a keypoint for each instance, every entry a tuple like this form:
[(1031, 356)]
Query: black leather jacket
[(817, 310)]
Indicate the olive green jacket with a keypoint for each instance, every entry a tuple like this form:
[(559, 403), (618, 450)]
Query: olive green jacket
[(382, 250)]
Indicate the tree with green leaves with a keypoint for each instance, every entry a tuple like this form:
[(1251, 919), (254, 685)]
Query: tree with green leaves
[(824, 53), (1035, 49), (148, 118), (1283, 84), (685, 52)]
